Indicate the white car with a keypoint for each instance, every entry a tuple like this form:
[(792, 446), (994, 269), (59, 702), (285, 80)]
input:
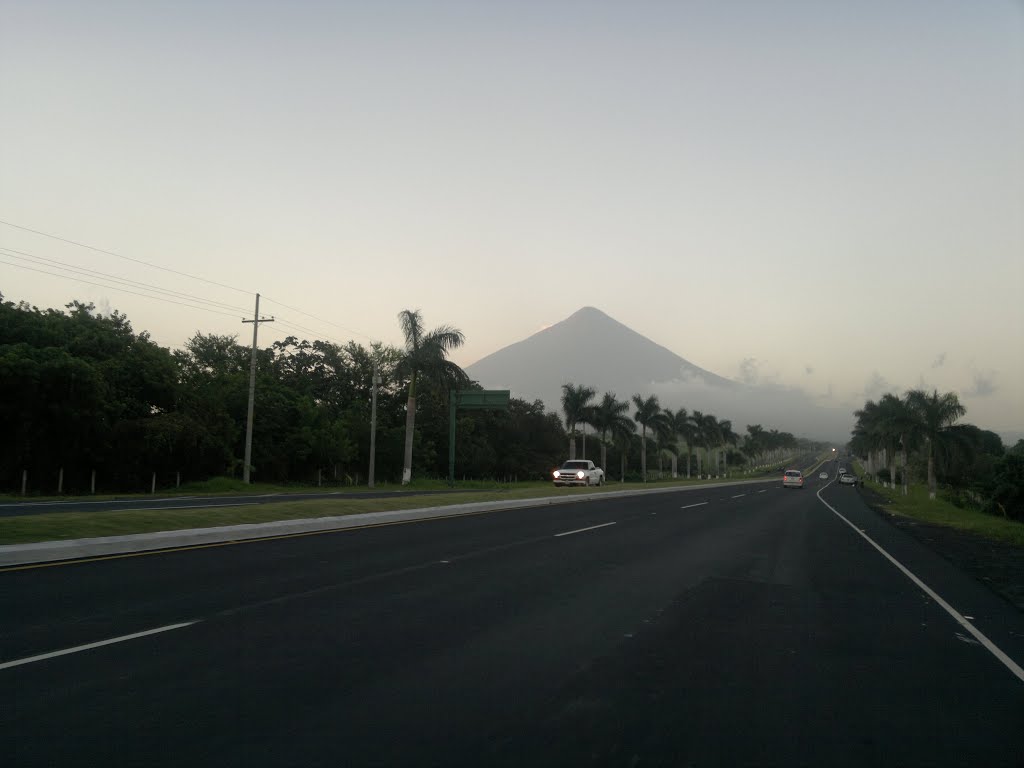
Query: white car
[(823, 476), (848, 478), (793, 478), (842, 471), (579, 472)]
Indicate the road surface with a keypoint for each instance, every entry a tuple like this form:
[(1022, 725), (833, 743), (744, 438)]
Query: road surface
[(728, 626)]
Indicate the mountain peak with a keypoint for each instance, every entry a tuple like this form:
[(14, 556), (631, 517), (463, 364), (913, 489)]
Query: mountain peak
[(588, 346)]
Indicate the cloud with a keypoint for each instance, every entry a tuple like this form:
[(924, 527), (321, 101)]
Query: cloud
[(876, 386), (939, 360), (984, 385), (748, 370)]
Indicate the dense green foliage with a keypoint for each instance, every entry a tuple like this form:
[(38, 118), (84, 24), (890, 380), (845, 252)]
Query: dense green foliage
[(81, 392), (919, 437), (84, 392)]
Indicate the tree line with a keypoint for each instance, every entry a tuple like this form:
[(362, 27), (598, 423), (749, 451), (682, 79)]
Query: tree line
[(84, 393), (710, 445), (920, 435)]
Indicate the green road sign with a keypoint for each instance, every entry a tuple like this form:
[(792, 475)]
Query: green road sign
[(471, 399)]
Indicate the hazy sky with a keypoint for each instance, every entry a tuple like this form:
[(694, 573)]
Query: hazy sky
[(827, 195)]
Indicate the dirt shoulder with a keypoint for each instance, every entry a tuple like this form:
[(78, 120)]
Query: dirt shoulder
[(998, 565)]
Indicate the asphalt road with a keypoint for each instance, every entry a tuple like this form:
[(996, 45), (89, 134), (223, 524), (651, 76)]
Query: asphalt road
[(22, 508), (735, 626)]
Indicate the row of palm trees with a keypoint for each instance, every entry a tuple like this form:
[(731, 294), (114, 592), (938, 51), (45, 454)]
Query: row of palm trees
[(676, 432), (919, 420)]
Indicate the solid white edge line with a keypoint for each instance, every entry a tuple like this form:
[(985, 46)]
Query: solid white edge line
[(691, 506), (90, 646), (581, 530), (1009, 663), (739, 495)]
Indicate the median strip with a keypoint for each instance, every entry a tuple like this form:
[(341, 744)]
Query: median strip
[(581, 530), (90, 646)]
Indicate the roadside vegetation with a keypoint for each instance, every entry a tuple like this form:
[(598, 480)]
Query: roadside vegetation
[(931, 466), (94, 407)]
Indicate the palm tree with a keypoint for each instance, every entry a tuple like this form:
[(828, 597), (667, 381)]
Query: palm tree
[(576, 406), (664, 431), (687, 430), (934, 417), (865, 436), (894, 428), (648, 414), (707, 436), (606, 417), (726, 438), (624, 433), (426, 354)]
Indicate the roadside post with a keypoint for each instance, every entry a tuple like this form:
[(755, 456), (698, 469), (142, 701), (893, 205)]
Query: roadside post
[(471, 400)]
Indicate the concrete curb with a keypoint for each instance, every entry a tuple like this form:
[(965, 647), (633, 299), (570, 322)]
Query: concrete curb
[(76, 549)]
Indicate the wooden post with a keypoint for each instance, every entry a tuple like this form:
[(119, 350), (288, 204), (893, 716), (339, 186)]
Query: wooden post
[(92, 483), (177, 479), (24, 481), (319, 477), (152, 486), (60, 481)]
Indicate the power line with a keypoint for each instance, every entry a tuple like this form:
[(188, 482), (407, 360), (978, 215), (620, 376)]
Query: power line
[(288, 324), (126, 258), (116, 288), (25, 256), (318, 335), (321, 319), (175, 272)]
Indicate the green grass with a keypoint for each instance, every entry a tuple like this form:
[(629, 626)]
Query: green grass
[(918, 506), (52, 526)]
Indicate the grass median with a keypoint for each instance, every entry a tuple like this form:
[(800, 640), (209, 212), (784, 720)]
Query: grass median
[(54, 526)]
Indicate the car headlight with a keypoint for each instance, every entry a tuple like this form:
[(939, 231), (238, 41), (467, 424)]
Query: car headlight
[(557, 474), (580, 474)]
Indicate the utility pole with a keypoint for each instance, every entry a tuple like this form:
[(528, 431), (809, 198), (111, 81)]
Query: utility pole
[(373, 423), (252, 387)]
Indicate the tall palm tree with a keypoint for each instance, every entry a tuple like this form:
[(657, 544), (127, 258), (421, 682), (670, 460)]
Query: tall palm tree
[(624, 433), (865, 438), (934, 417), (726, 438), (686, 428), (425, 354), (648, 414), (708, 435), (576, 405), (664, 432), (894, 428), (605, 417)]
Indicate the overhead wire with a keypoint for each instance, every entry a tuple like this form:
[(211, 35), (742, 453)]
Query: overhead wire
[(53, 263), (126, 258), (25, 256), (115, 288), (315, 317)]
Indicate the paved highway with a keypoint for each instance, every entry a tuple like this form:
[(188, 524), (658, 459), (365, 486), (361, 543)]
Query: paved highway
[(732, 626)]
